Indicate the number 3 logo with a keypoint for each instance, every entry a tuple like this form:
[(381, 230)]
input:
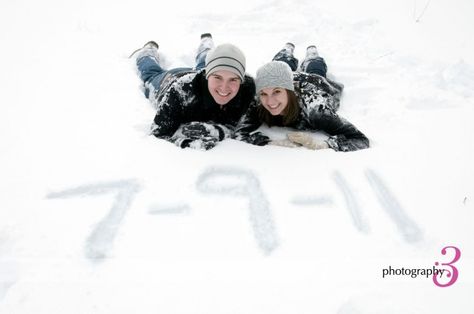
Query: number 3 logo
[(453, 273)]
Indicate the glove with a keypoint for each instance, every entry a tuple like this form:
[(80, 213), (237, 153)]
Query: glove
[(284, 143), (258, 138), (306, 140), (204, 143), (196, 142), (197, 130)]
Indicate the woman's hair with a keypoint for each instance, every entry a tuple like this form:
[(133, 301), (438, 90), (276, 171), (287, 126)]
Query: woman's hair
[(289, 114)]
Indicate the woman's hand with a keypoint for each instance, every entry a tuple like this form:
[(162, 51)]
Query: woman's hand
[(306, 140), (284, 143)]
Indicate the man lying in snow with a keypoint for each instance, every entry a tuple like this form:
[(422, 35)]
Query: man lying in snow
[(197, 107)]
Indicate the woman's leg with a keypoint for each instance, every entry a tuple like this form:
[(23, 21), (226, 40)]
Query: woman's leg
[(286, 55), (313, 63)]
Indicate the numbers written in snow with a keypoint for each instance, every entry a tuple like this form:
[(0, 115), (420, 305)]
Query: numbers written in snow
[(239, 183), (101, 239)]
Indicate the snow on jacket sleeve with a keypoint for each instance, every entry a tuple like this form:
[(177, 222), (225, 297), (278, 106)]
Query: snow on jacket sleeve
[(315, 90), (249, 122), (167, 124), (344, 135), (200, 135), (197, 135), (169, 115)]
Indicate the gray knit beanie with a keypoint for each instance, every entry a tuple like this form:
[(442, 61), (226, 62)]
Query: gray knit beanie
[(226, 57), (274, 74)]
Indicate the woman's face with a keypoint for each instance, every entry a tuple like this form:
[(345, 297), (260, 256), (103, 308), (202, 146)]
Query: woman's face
[(223, 86), (274, 99)]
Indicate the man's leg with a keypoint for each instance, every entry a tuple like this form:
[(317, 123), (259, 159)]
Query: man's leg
[(206, 44), (149, 68)]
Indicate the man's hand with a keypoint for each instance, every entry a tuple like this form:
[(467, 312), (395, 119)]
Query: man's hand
[(196, 130)]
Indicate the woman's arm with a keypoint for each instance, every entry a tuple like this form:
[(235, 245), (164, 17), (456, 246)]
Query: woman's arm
[(344, 136), (248, 123)]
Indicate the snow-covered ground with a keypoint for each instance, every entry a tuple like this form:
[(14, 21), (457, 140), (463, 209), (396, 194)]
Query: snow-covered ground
[(98, 217)]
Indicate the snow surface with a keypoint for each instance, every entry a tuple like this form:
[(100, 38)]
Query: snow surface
[(98, 217)]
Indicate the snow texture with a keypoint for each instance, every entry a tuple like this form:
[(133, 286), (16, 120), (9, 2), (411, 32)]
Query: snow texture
[(244, 184), (352, 204), (100, 241), (98, 216), (409, 230)]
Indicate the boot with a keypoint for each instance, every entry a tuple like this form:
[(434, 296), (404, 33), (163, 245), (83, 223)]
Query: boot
[(148, 49)]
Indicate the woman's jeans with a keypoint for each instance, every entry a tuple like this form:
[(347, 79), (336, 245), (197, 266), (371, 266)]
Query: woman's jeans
[(314, 65)]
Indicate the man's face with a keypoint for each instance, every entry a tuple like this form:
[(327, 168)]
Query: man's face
[(223, 86)]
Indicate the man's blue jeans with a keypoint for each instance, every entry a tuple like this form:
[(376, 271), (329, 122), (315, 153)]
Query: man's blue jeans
[(152, 73)]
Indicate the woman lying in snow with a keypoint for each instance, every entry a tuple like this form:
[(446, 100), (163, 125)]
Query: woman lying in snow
[(305, 100), (197, 107)]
